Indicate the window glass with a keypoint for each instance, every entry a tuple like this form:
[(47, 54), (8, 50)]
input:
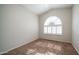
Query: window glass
[(59, 30), (49, 29), (53, 25), (45, 29), (54, 30)]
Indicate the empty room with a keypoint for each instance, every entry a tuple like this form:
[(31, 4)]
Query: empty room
[(39, 29)]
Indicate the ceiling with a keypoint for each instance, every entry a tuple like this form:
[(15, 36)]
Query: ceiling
[(41, 8)]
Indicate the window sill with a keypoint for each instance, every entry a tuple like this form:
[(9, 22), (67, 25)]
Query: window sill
[(53, 34)]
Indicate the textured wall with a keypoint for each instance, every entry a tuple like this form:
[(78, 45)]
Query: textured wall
[(75, 27), (65, 14), (18, 26)]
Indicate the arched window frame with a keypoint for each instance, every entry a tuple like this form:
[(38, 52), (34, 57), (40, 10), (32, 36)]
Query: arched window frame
[(56, 28)]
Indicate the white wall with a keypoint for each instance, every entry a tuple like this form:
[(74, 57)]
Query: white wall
[(65, 14), (0, 28), (18, 26), (75, 27)]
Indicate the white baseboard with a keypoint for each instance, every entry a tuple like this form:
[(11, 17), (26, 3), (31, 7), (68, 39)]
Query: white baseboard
[(15, 47), (3, 52), (75, 48)]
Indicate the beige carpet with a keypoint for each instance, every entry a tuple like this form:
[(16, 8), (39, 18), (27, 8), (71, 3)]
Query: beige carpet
[(44, 47)]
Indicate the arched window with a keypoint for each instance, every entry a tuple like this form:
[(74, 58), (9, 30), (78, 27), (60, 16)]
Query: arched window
[(53, 25)]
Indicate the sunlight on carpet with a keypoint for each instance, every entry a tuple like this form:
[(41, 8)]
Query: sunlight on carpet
[(32, 51)]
